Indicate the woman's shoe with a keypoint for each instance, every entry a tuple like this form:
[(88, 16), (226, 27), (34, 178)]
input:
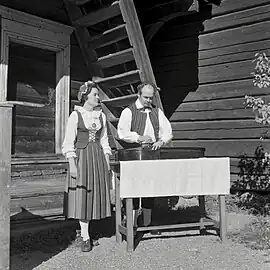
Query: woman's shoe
[(86, 246)]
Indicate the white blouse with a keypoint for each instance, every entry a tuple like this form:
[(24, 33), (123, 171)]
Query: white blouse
[(92, 123)]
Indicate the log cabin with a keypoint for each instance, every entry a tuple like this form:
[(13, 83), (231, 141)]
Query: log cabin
[(198, 52)]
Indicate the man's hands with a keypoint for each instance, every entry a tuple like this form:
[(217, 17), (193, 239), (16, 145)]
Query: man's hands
[(157, 145), (145, 139)]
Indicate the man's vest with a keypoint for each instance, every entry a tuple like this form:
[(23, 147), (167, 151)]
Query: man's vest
[(83, 133), (138, 120)]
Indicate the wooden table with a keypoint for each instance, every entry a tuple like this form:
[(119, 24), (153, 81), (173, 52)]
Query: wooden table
[(132, 192)]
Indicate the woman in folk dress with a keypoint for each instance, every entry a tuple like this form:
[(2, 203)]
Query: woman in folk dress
[(87, 149)]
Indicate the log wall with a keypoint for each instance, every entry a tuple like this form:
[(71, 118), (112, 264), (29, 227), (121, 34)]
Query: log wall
[(204, 69)]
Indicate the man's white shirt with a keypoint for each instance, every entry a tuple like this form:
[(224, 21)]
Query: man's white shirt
[(124, 126)]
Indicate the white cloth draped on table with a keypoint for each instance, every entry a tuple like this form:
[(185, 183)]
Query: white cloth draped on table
[(173, 177)]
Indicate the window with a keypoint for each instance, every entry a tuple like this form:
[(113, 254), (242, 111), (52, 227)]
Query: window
[(34, 71)]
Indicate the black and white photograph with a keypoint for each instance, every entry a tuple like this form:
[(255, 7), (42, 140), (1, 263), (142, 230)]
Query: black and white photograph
[(135, 135)]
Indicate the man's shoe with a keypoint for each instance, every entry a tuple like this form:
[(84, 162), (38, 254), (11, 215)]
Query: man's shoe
[(86, 246)]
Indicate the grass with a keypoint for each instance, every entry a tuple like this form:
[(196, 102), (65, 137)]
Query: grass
[(255, 235)]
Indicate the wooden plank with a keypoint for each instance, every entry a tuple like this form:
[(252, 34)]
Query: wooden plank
[(213, 115), (199, 95), (137, 41), (209, 74), (5, 168), (237, 52), (62, 96), (80, 2), (121, 79), (38, 159), (236, 19), (215, 125), (222, 218), (109, 37), (221, 55), (228, 6), (33, 204), (99, 15), (222, 104), (24, 18), (244, 133), (225, 90), (174, 226), (239, 35), (33, 131), (230, 148), (30, 145), (46, 111), (4, 64), (230, 20), (115, 59), (25, 120), (120, 101), (27, 188)]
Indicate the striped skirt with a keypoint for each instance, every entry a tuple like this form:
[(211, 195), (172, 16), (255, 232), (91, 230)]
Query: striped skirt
[(88, 196)]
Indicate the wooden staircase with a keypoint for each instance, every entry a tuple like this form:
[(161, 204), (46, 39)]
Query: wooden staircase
[(113, 46)]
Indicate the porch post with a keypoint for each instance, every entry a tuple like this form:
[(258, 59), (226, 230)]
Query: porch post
[(5, 179)]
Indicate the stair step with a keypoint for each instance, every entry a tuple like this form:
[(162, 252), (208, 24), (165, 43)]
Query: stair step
[(108, 37), (99, 16), (120, 101), (115, 59), (121, 79), (80, 2)]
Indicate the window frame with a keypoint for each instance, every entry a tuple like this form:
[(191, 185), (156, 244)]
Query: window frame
[(22, 28)]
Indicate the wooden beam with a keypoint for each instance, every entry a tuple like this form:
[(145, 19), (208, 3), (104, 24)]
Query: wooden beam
[(62, 96), (120, 101), (4, 64), (98, 16), (5, 176), (121, 79), (80, 2), (108, 37), (115, 59), (137, 41)]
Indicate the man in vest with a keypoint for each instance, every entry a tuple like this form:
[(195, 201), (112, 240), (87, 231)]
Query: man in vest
[(144, 123)]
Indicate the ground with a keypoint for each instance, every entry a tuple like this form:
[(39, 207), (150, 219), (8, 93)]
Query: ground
[(247, 246)]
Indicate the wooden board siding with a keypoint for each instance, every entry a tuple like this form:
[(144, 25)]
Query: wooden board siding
[(37, 188), (204, 70), (31, 75)]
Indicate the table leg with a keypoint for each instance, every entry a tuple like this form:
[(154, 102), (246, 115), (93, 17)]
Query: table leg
[(130, 234), (202, 213), (222, 218), (117, 208)]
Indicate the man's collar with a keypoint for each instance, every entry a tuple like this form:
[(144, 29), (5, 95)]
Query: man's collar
[(138, 104)]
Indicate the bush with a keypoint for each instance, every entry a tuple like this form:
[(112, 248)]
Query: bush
[(253, 183)]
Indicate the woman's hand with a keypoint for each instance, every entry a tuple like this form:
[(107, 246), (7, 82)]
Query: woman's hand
[(73, 171), (107, 157)]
